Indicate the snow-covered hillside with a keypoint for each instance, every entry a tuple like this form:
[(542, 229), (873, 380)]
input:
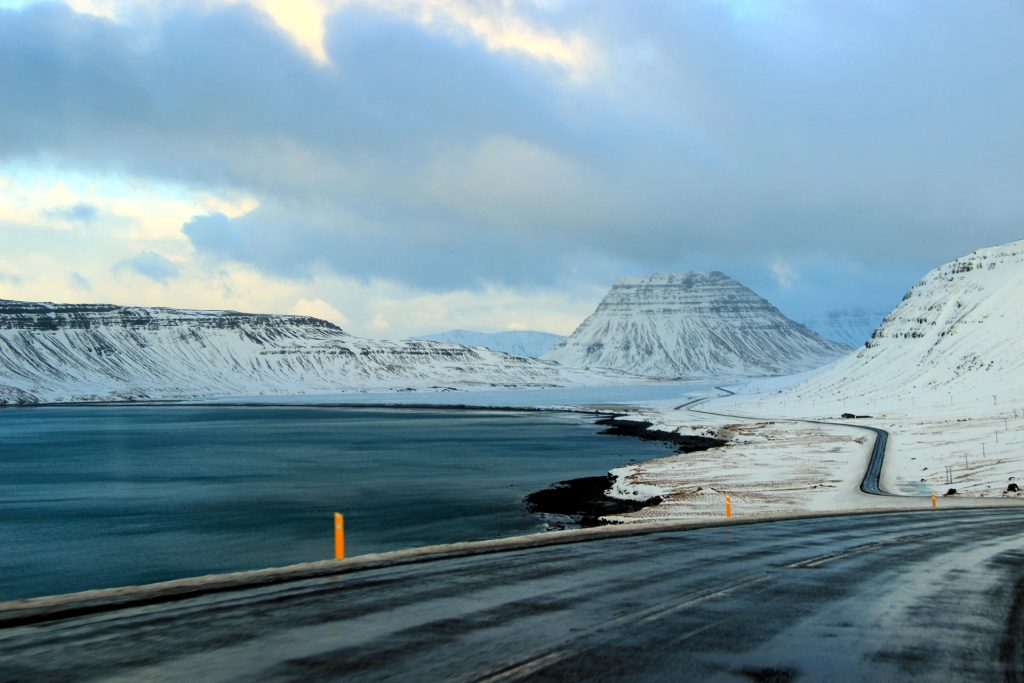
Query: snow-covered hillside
[(63, 352), (516, 342), (849, 326), (691, 325), (956, 337), (944, 375)]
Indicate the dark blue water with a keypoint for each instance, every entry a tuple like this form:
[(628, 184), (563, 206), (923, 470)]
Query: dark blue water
[(93, 497)]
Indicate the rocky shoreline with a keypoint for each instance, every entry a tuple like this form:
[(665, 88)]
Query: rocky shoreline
[(584, 501), (641, 429)]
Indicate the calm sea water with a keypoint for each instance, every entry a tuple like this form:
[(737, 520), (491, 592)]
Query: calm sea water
[(94, 497)]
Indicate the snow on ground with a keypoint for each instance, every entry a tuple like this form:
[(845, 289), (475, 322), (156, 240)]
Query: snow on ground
[(767, 467), (982, 445), (780, 464)]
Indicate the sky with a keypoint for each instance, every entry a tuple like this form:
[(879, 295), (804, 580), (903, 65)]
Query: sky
[(403, 167)]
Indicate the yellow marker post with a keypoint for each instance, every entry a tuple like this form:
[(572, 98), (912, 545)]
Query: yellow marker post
[(728, 506), (933, 500), (339, 537)]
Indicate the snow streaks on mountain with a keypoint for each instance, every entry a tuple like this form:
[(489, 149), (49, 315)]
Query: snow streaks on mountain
[(516, 342), (691, 325), (65, 352), (956, 336)]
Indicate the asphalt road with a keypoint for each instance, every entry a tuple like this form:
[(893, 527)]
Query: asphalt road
[(932, 595)]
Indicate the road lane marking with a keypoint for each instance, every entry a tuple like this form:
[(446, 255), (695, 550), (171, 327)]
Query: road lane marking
[(819, 560), (527, 668), (532, 666), (713, 595)]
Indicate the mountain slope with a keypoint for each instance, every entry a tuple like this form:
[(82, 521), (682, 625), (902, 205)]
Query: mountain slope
[(516, 342), (956, 336), (691, 324), (62, 352)]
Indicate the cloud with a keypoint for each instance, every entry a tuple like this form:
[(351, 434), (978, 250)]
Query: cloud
[(783, 273), (318, 308), (10, 279), (436, 148), (78, 213), (151, 265), (80, 282)]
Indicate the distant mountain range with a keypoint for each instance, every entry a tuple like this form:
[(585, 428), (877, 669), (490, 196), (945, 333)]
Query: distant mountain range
[(516, 342), (691, 325), (96, 352), (849, 326)]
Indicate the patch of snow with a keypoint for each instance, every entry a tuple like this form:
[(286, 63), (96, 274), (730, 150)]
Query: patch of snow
[(624, 487)]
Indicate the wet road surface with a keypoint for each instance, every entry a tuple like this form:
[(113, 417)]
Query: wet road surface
[(926, 596)]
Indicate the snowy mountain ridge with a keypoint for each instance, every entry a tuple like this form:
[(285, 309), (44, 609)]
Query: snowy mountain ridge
[(691, 325), (81, 352), (526, 343)]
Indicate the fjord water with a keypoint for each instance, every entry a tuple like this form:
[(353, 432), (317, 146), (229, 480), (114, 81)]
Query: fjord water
[(99, 496)]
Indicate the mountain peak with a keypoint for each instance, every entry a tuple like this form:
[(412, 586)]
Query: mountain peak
[(691, 324)]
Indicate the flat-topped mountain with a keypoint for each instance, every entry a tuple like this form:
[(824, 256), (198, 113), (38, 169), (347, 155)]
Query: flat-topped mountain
[(77, 352), (691, 325)]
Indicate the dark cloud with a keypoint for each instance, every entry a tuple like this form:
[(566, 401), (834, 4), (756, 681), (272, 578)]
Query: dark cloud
[(434, 258), (864, 142), (151, 265), (10, 279), (79, 281), (78, 213)]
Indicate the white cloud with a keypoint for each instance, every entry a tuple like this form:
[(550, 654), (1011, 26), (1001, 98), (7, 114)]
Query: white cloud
[(783, 273), (380, 324), (318, 308)]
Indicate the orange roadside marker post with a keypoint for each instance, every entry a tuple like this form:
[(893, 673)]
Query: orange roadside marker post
[(728, 506), (339, 536), (933, 500)]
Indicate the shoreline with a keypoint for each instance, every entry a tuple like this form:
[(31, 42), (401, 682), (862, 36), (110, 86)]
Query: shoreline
[(585, 500)]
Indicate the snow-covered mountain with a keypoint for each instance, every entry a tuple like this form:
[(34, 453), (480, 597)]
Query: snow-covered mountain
[(516, 342), (957, 335), (66, 352), (691, 325), (849, 326)]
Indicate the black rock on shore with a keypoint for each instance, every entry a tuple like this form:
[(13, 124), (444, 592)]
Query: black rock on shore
[(584, 500)]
